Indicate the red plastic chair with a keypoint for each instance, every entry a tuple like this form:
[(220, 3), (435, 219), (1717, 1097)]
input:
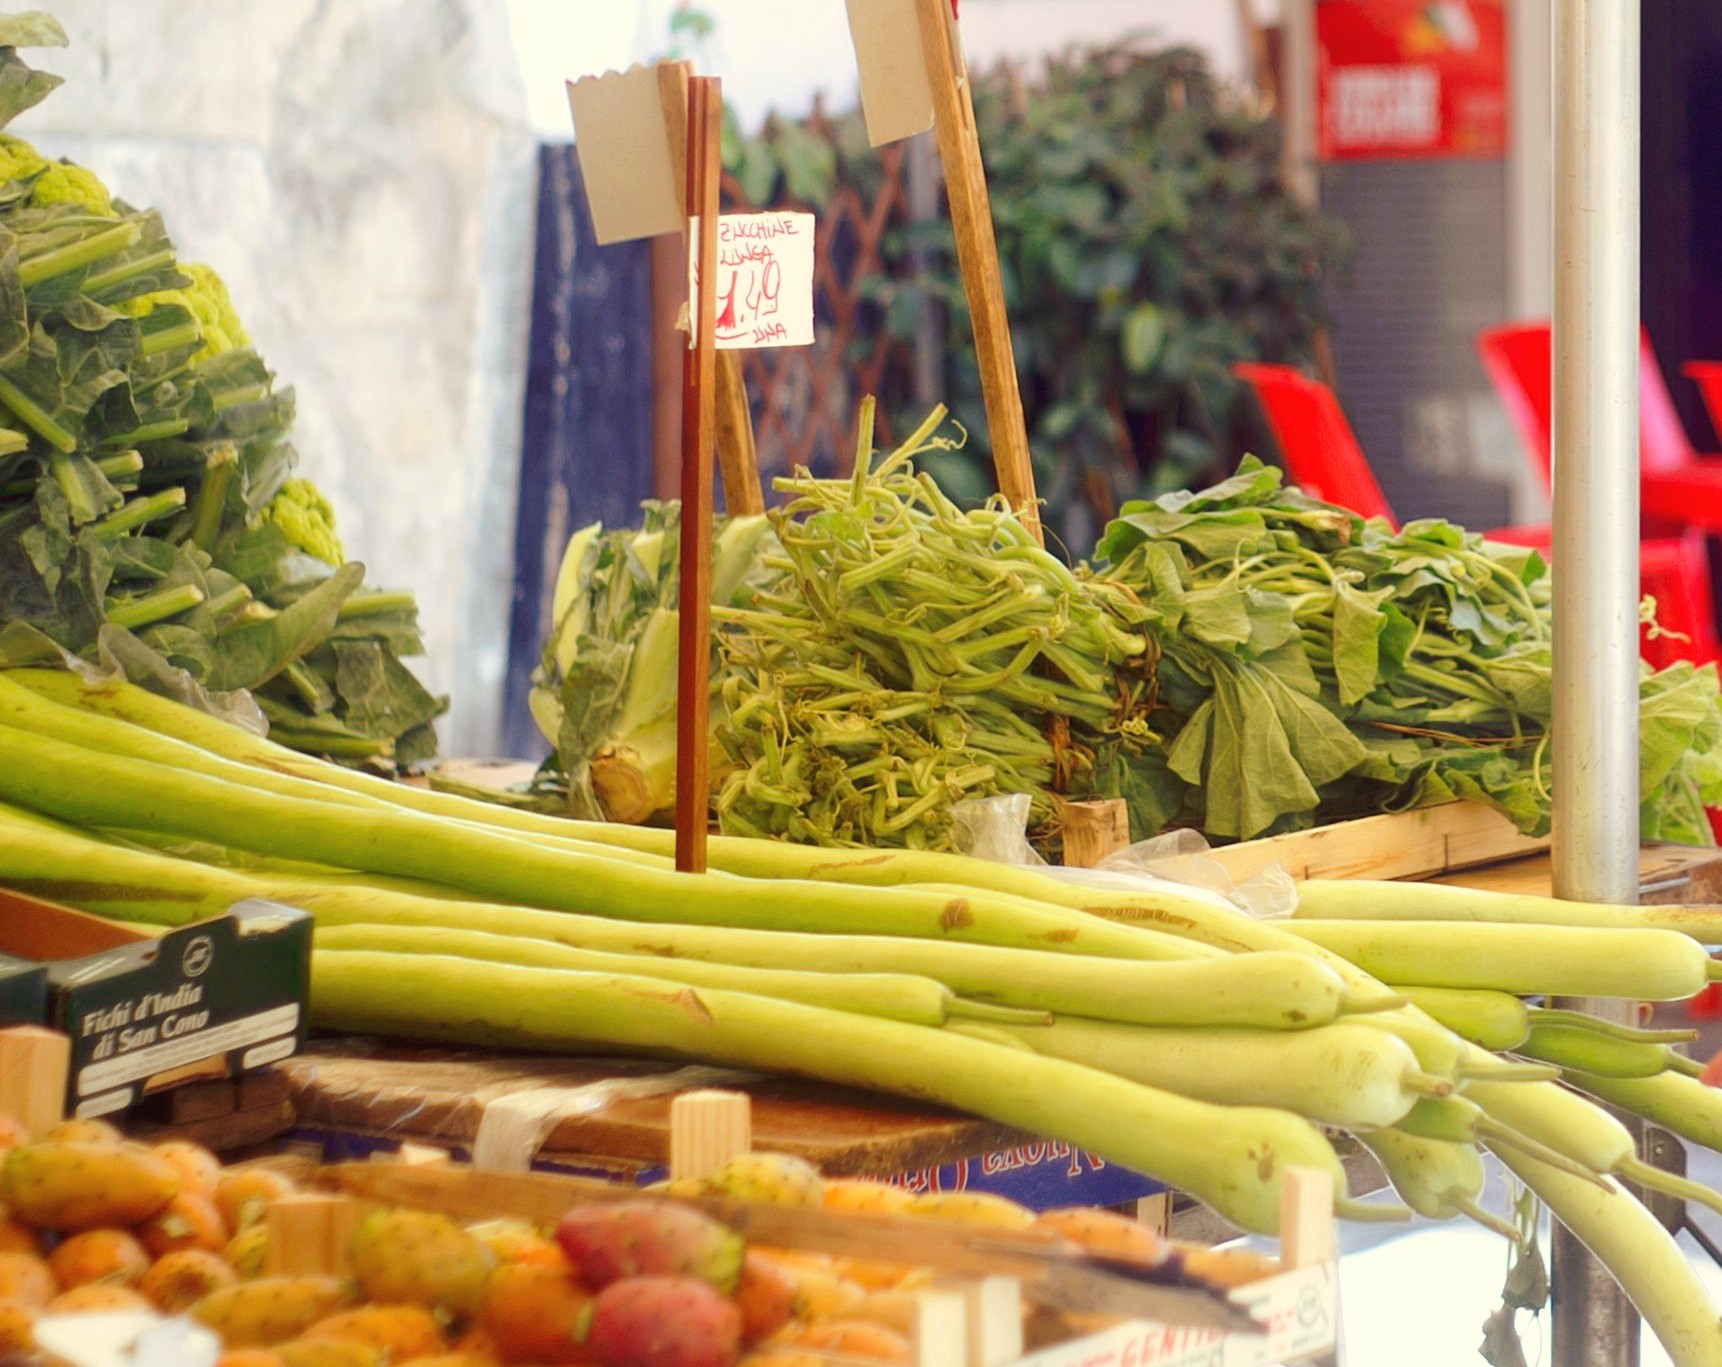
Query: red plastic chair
[(1674, 566), (1322, 456), (1678, 487), (1708, 377)]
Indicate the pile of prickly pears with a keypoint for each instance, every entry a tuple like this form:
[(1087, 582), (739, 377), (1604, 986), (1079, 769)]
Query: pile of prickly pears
[(89, 1222)]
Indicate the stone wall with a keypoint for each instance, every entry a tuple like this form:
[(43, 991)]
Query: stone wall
[(362, 174)]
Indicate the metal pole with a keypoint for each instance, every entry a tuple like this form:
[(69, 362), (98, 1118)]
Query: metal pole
[(1595, 751)]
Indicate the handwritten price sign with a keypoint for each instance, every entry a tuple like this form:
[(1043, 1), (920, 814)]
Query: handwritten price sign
[(764, 281)]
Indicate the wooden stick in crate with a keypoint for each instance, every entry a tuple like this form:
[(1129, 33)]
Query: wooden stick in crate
[(34, 1063), (978, 255), (693, 702), (738, 455)]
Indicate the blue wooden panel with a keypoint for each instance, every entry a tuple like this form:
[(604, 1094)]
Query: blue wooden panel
[(587, 449)]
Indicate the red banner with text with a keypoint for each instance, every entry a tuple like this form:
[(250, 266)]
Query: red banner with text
[(1411, 79)]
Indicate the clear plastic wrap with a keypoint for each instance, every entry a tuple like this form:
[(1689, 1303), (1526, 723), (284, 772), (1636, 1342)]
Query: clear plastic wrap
[(995, 828)]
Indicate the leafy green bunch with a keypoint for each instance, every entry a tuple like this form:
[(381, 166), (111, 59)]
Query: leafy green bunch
[(1314, 666), (149, 520)]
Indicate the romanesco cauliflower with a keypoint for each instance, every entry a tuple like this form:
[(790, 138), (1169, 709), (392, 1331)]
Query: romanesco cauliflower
[(307, 520), (55, 182), (207, 301)]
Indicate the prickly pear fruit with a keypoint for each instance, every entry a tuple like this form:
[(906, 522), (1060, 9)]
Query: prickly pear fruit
[(178, 1281), (25, 1277), (780, 1178), (83, 1132), (72, 1186), (187, 1221), (664, 1322), (536, 1312), (96, 1298), (18, 1327), (860, 1197), (419, 1258), (244, 1195), (329, 1353), (821, 1292), (199, 1169), (647, 1238), (766, 1297), (511, 1240), (250, 1357), (973, 1208), (99, 1255), (454, 1360), (397, 1331), (15, 1236), (850, 1338), (1106, 1232), (270, 1310), (244, 1252)]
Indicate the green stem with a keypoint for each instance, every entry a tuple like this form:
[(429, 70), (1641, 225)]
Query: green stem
[(155, 431), (141, 511), (336, 747), (234, 398), (76, 255), (99, 281), (223, 603), (35, 417), (169, 339), (375, 605), (155, 607), (211, 503)]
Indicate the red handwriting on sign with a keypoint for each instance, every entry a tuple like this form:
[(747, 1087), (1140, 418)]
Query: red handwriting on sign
[(750, 277)]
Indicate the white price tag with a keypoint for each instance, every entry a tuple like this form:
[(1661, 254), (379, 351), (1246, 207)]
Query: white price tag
[(764, 280)]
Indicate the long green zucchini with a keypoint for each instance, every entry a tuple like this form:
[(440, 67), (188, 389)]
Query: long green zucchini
[(1340, 1074), (1642, 1256), (64, 864), (1232, 1157), (91, 789), (1363, 900), (1644, 965), (893, 996), (1491, 1020)]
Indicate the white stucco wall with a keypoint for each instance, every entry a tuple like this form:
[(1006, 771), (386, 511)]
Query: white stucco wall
[(361, 172)]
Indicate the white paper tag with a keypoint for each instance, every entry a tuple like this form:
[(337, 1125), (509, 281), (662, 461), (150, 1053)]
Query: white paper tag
[(625, 157), (764, 279), (895, 96)]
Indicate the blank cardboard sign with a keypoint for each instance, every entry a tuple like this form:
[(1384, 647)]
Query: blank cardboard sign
[(625, 157), (895, 96)]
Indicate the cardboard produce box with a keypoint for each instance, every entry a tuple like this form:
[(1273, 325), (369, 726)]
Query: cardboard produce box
[(146, 1012)]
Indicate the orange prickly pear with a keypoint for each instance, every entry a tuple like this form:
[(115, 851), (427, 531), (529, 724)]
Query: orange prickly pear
[(634, 1238), (177, 1281), (73, 1185), (1106, 1232), (99, 1255), (268, 1311), (398, 1332), (18, 1326), (420, 1258), (973, 1208), (536, 1312), (862, 1197), (242, 1196), (96, 1298), (766, 1297), (83, 1132), (25, 1277), (329, 1353), (245, 1250), (199, 1169)]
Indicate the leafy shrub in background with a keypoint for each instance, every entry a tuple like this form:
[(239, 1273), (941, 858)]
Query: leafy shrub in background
[(1146, 244)]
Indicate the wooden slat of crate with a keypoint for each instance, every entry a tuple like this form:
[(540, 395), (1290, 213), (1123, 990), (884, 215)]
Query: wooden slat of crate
[(1417, 844)]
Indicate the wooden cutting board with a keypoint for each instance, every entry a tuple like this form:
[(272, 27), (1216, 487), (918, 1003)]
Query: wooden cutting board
[(435, 1097)]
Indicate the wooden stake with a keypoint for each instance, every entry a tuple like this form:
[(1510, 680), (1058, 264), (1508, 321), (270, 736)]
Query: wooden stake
[(693, 702), (707, 1129), (1306, 1217), (1093, 830), (34, 1063), (978, 255), (308, 1235), (738, 456)]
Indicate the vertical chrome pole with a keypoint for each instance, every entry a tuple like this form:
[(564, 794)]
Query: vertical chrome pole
[(1595, 751)]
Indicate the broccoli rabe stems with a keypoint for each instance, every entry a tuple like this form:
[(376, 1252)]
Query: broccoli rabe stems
[(375, 605), (212, 496), (234, 598), (76, 255), (115, 467), (169, 339), (155, 431), (141, 511), (100, 281), (154, 607), (35, 417)]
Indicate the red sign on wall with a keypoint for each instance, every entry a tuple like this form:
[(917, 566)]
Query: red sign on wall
[(1411, 78)]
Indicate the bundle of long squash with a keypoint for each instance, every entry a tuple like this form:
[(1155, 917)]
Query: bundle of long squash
[(1162, 1032)]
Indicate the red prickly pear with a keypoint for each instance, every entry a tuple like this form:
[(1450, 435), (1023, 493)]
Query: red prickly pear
[(649, 1238), (664, 1322)]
